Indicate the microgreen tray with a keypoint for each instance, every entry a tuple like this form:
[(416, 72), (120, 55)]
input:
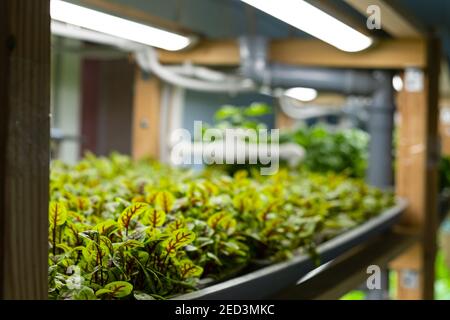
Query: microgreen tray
[(267, 281)]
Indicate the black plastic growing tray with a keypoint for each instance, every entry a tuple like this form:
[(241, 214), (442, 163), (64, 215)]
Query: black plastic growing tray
[(267, 281)]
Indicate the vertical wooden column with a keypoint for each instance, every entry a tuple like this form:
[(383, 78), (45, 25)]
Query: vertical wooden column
[(444, 108), (416, 179), (282, 121), (444, 124), (24, 147), (146, 116)]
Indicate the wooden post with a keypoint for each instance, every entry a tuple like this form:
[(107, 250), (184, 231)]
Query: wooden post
[(24, 147), (146, 117), (444, 125), (282, 121), (416, 179)]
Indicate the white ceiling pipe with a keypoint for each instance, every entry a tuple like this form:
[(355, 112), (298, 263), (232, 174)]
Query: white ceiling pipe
[(147, 59), (307, 111), (198, 72)]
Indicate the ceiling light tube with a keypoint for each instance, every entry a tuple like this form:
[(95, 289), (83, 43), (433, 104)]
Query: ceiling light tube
[(98, 21), (304, 16), (302, 94)]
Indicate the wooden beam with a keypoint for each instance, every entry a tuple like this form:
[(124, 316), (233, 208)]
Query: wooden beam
[(146, 117), (132, 13), (444, 125), (24, 148), (207, 52), (386, 54), (393, 21), (350, 270), (416, 175)]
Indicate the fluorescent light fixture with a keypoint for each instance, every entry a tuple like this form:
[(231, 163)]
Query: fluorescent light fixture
[(101, 22), (302, 94), (302, 15), (74, 32)]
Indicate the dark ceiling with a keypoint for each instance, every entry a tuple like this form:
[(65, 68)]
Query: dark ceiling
[(434, 15)]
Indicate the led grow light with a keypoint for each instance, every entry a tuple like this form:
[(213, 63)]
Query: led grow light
[(317, 23), (118, 27)]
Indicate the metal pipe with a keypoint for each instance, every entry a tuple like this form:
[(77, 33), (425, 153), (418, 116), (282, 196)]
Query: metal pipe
[(380, 127), (380, 171), (334, 80), (254, 65), (164, 137)]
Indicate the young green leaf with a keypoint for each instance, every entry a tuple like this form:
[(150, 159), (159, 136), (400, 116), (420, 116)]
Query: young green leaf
[(176, 224), (117, 289), (80, 203), (106, 227), (164, 200), (228, 224), (153, 234), (76, 217), (257, 109), (188, 269), (130, 244), (154, 217), (57, 214), (151, 196), (226, 111), (103, 292), (215, 219), (85, 293), (131, 212), (179, 238), (64, 247), (139, 295), (242, 203)]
